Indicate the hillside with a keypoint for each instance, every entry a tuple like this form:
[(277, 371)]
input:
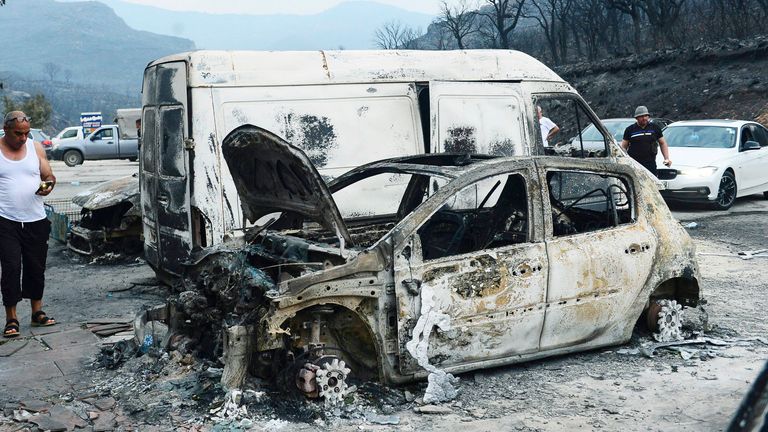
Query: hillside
[(724, 80), (87, 41), (350, 25)]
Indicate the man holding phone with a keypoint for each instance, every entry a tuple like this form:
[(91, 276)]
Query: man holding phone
[(25, 178)]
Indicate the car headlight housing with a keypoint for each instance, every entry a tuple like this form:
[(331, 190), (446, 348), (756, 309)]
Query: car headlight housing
[(697, 172)]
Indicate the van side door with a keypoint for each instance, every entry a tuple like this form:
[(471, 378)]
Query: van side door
[(477, 117)]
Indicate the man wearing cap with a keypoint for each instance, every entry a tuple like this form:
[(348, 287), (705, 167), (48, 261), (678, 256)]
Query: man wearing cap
[(25, 177), (640, 140)]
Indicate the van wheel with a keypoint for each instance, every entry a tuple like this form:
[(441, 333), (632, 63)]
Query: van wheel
[(726, 193), (72, 158)]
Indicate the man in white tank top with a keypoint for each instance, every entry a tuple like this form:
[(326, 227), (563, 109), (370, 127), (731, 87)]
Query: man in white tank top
[(25, 178)]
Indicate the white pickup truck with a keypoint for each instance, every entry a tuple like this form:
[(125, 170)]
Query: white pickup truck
[(105, 142)]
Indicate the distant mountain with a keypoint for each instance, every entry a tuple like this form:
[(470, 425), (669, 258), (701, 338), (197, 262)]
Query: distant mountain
[(85, 41), (350, 25)]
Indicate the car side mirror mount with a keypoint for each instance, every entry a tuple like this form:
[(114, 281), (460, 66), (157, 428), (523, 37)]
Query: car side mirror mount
[(750, 145), (92, 138)]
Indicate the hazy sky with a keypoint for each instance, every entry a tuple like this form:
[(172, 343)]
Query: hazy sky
[(262, 7)]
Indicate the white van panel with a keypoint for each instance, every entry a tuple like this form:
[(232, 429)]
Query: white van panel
[(477, 117), (341, 128)]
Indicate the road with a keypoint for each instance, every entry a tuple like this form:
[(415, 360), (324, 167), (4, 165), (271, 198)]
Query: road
[(72, 180)]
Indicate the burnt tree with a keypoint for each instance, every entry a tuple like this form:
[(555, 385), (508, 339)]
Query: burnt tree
[(503, 16), (459, 20)]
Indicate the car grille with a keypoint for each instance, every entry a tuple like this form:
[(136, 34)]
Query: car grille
[(666, 174)]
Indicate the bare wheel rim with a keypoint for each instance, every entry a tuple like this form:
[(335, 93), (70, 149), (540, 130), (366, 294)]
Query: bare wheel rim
[(727, 192)]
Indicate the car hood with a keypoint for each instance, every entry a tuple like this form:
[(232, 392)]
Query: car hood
[(111, 193), (696, 156), (271, 175)]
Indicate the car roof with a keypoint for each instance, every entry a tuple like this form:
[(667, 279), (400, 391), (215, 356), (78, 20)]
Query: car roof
[(711, 122)]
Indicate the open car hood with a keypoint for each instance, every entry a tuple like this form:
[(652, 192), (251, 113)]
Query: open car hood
[(271, 175)]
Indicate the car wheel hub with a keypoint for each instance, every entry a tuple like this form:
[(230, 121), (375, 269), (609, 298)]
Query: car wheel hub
[(670, 321)]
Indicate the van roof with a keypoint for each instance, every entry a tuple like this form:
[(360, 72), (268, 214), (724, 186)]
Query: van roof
[(257, 68)]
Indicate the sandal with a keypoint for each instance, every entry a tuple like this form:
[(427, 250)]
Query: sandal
[(39, 319), (11, 328)]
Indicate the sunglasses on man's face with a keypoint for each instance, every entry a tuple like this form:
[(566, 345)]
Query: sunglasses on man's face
[(20, 119)]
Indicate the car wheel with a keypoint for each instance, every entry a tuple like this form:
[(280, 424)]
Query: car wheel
[(726, 193), (72, 158), (132, 159), (765, 195), (664, 319)]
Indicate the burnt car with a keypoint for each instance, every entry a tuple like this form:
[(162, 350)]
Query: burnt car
[(110, 219), (465, 262)]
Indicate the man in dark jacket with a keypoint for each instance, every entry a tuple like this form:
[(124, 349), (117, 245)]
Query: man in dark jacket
[(642, 138)]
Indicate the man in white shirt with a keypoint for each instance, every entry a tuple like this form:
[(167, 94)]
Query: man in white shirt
[(548, 128), (25, 178)]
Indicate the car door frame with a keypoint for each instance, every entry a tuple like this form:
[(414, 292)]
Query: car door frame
[(588, 299), (496, 312), (102, 148), (756, 161)]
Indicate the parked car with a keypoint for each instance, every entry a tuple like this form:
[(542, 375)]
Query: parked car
[(72, 133), (476, 261), (39, 136), (715, 161), (594, 144), (105, 142)]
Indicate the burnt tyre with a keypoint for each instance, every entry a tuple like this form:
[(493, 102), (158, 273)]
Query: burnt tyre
[(726, 193), (72, 158)]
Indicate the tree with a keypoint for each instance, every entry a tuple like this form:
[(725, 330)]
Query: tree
[(662, 15), (10, 104), (37, 107), (634, 10), (459, 21), (52, 70), (394, 35), (552, 16), (504, 16)]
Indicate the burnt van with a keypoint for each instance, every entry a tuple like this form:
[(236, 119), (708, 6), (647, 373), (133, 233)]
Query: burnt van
[(343, 109)]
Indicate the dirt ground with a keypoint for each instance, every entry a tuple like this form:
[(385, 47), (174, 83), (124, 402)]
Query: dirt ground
[(612, 389)]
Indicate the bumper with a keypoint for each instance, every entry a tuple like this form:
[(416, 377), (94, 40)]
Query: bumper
[(693, 194), (692, 188)]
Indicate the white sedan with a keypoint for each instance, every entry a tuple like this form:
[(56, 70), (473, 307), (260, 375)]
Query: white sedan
[(715, 161)]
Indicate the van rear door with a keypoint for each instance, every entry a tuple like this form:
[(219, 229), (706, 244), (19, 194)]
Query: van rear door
[(477, 117), (164, 187)]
